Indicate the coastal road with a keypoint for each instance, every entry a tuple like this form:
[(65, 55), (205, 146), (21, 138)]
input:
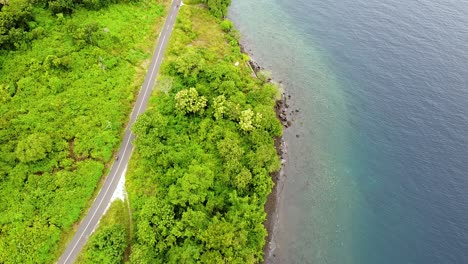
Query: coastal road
[(90, 222)]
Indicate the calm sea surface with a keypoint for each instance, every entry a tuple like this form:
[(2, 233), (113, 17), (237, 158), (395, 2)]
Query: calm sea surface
[(377, 167)]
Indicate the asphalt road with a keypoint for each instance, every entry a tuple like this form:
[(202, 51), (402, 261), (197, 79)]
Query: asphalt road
[(90, 222)]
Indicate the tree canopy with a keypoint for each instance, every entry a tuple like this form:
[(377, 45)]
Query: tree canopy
[(67, 83), (200, 174)]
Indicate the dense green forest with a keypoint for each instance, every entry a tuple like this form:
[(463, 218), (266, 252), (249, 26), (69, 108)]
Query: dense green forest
[(69, 71), (107, 244), (200, 175)]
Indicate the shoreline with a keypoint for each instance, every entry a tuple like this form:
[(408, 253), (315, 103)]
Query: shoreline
[(271, 204)]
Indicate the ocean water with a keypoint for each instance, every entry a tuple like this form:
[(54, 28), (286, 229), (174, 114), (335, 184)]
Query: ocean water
[(377, 168)]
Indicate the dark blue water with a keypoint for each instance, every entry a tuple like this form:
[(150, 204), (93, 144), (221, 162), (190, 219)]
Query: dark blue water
[(379, 173)]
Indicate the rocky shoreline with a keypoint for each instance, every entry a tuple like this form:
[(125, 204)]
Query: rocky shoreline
[(285, 116)]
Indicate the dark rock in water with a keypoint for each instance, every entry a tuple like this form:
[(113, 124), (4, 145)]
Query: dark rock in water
[(289, 123), (242, 49), (255, 66), (297, 136), (297, 110)]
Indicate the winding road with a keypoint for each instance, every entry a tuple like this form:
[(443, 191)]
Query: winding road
[(90, 222)]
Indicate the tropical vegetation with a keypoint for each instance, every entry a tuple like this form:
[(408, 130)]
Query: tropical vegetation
[(201, 172), (69, 71)]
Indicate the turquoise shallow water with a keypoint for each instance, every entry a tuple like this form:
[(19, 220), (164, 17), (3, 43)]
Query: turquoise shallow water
[(377, 167)]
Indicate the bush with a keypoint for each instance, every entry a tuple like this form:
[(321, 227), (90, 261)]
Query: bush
[(227, 25)]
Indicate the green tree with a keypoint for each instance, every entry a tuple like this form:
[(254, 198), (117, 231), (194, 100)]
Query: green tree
[(155, 224), (4, 94), (34, 147), (220, 107), (193, 187), (188, 101), (248, 120), (243, 179), (218, 7), (61, 6), (14, 24)]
